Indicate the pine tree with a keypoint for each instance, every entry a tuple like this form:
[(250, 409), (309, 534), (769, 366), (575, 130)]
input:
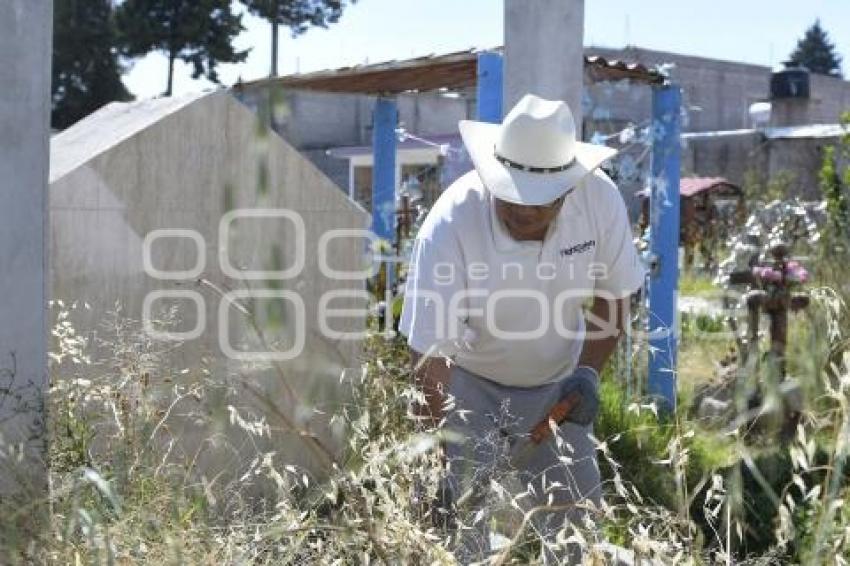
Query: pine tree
[(86, 71), (815, 52), (297, 15), (199, 32)]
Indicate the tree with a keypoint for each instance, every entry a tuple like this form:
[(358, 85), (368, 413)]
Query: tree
[(199, 32), (815, 52), (297, 15), (86, 71), (834, 185)]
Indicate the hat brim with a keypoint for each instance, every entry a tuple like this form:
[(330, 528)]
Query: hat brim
[(523, 187)]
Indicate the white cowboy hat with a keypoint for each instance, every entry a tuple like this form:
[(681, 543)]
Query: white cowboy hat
[(532, 157)]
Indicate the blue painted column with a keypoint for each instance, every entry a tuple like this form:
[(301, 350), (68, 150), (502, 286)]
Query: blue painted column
[(664, 243), (384, 121), (490, 85)]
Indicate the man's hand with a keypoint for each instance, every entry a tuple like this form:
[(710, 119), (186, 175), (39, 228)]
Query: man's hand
[(582, 384), (432, 378), (605, 323)]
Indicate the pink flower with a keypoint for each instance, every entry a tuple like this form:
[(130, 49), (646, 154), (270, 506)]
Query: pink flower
[(796, 272), (766, 273)]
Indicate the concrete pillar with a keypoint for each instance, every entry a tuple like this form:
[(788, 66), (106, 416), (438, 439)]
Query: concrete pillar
[(544, 51), (25, 48)]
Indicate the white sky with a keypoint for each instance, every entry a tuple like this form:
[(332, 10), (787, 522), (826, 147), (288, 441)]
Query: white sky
[(756, 31)]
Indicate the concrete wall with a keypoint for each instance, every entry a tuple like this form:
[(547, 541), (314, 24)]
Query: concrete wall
[(731, 157), (316, 121), (182, 164), (800, 160), (722, 90), (719, 93), (754, 158), (829, 98), (25, 49), (717, 96)]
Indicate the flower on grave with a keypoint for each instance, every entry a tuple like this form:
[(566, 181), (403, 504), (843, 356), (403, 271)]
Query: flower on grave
[(794, 273)]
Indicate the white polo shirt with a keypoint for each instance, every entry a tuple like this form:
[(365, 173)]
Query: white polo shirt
[(510, 310)]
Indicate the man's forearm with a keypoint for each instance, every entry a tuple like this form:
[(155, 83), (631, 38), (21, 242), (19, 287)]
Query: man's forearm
[(604, 326)]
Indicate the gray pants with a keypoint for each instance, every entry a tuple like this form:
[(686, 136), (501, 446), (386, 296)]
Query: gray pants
[(492, 421)]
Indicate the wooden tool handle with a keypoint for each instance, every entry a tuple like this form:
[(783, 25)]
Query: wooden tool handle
[(558, 413)]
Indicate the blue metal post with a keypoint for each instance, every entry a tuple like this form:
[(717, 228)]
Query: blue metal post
[(489, 87), (384, 123), (664, 217)]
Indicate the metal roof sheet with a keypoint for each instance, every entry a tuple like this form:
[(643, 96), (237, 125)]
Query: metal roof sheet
[(451, 71), (804, 131), (689, 186), (808, 131), (433, 141)]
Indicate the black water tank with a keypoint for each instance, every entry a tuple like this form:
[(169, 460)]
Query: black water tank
[(790, 82)]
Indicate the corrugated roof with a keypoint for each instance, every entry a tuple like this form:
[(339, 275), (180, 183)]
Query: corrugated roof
[(718, 134), (452, 71), (689, 186), (808, 131), (347, 152), (805, 131), (601, 69)]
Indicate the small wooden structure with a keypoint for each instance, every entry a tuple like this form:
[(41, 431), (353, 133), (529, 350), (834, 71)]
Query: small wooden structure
[(711, 207)]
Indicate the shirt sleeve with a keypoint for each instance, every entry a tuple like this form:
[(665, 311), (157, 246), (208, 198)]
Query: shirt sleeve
[(624, 272), (434, 277)]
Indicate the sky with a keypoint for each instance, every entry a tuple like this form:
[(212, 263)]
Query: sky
[(753, 31)]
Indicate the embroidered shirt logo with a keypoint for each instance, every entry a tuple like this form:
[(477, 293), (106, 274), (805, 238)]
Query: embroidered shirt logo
[(578, 248)]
